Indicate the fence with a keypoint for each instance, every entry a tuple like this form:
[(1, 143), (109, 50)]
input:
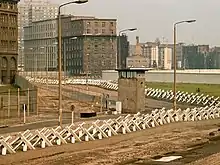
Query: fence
[(26, 86), (12, 104)]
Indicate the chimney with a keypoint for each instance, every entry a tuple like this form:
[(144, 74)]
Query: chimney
[(137, 40)]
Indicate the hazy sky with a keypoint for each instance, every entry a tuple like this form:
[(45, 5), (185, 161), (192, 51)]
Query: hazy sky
[(155, 18)]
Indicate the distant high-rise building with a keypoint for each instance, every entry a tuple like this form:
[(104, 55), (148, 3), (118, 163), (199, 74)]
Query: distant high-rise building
[(31, 11)]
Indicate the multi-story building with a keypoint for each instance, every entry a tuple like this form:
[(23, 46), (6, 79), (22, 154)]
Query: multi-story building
[(31, 11), (212, 58), (89, 45), (157, 55), (165, 58), (123, 51), (40, 45), (8, 40)]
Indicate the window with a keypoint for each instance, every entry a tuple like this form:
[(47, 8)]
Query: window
[(96, 24), (88, 31), (96, 31), (103, 31), (88, 23), (103, 24)]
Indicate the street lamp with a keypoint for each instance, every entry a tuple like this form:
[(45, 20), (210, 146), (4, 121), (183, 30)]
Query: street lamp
[(59, 54), (32, 65), (41, 52), (174, 60), (119, 45)]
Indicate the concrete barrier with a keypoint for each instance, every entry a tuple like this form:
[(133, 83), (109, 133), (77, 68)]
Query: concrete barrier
[(183, 76)]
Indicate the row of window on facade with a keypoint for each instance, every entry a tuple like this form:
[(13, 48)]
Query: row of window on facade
[(44, 27), (8, 5), (9, 45), (6, 32), (97, 24), (96, 31), (79, 62), (40, 35), (8, 18), (127, 74)]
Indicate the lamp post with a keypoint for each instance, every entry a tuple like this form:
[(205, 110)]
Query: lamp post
[(31, 66), (119, 45), (41, 63), (174, 60), (59, 54)]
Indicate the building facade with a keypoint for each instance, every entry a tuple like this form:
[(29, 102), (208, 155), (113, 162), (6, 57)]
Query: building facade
[(158, 56), (31, 11), (40, 46), (8, 40), (123, 52), (89, 46)]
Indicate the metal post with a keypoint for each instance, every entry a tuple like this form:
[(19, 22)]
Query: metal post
[(174, 74), (64, 56), (72, 117), (35, 68), (60, 67), (101, 102), (32, 64), (59, 55), (24, 106), (9, 103), (87, 71), (37, 112), (119, 52), (18, 107), (28, 101), (47, 68)]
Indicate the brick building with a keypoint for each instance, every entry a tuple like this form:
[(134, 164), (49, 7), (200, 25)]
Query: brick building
[(8, 40)]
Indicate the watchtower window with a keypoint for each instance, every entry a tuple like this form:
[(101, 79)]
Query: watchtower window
[(123, 75)]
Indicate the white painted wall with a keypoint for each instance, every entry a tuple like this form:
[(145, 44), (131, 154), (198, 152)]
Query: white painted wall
[(183, 76)]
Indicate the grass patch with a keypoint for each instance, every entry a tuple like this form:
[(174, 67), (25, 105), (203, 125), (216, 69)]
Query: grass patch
[(208, 89)]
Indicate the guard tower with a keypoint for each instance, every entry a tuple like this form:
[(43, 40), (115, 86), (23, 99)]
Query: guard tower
[(131, 89)]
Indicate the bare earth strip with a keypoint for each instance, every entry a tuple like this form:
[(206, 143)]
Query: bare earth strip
[(121, 149)]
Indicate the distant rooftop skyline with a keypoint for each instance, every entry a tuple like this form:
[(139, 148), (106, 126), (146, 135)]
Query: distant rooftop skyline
[(155, 18)]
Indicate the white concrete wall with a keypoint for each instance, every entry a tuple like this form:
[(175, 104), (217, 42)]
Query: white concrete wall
[(183, 76)]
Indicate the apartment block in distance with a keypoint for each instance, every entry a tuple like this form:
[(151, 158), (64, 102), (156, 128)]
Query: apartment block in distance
[(40, 46), (89, 46), (159, 56), (31, 11), (8, 40)]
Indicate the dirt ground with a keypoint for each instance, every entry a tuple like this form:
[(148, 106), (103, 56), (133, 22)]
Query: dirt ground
[(133, 148)]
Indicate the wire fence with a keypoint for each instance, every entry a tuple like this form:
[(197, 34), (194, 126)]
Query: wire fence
[(14, 102)]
